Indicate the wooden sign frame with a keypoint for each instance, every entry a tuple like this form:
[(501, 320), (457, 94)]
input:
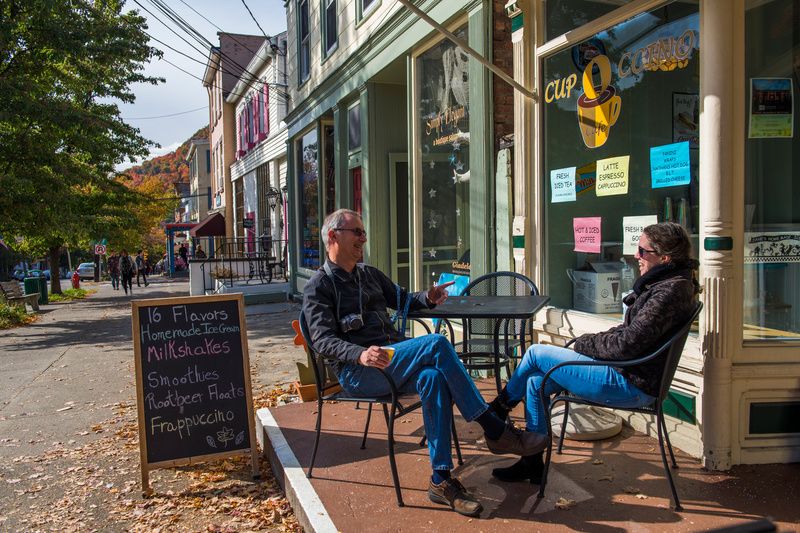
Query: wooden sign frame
[(146, 466)]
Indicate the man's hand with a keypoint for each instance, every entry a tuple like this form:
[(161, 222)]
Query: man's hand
[(437, 293), (374, 356)]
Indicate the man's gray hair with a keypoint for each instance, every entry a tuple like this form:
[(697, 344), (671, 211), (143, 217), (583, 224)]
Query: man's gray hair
[(335, 220)]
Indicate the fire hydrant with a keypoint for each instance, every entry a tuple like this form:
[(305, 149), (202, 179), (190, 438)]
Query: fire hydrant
[(76, 280)]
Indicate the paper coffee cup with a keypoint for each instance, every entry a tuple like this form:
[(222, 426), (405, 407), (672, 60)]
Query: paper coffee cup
[(389, 352)]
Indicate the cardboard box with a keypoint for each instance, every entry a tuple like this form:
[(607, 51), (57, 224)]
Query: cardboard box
[(596, 288)]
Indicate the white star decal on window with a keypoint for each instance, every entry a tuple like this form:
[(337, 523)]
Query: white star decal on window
[(432, 253), (432, 193)]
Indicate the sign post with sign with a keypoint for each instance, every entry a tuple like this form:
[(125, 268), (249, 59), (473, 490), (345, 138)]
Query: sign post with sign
[(100, 249), (192, 381)]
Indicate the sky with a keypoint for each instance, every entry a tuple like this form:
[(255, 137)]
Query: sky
[(183, 92)]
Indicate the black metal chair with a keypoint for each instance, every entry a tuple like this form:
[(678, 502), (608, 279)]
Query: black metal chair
[(670, 353), (394, 406), (476, 349)]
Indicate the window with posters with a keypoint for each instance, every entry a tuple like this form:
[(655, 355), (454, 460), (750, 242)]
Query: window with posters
[(620, 137), (308, 199), (771, 191), (443, 78)]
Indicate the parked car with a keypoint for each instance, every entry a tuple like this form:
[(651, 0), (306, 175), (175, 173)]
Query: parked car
[(86, 271), (18, 274)]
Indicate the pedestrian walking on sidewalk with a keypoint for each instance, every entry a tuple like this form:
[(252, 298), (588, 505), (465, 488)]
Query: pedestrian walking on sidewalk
[(113, 270), (127, 268), (141, 269)]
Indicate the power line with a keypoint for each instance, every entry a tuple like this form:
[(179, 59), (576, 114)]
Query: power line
[(254, 19), (203, 41), (250, 85), (188, 28), (201, 79), (165, 116), (232, 36)]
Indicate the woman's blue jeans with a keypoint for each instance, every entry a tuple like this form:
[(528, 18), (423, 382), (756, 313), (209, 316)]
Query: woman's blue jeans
[(429, 366), (600, 384)]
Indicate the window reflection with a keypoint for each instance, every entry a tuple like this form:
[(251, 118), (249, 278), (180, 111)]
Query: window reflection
[(309, 194), (621, 143), (772, 194), (444, 116)]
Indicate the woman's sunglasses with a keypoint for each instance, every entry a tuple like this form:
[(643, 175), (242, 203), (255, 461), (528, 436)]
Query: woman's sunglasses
[(643, 251)]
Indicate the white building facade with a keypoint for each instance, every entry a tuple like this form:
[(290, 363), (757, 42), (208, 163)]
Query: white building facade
[(258, 174)]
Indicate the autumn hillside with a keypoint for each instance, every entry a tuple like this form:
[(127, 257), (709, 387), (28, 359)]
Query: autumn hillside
[(170, 168)]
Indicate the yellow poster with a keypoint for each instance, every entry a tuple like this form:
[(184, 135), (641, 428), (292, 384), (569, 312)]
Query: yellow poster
[(612, 176)]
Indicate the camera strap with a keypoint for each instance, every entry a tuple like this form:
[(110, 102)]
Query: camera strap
[(327, 268), (400, 316)]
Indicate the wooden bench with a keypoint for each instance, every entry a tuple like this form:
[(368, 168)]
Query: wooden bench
[(12, 293)]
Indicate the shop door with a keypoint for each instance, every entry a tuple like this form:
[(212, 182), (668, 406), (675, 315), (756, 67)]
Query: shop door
[(400, 216)]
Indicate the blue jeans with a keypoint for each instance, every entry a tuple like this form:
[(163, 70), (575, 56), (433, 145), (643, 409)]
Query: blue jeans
[(600, 384), (429, 366)]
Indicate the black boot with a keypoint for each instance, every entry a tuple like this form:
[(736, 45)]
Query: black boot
[(528, 467), (501, 405)]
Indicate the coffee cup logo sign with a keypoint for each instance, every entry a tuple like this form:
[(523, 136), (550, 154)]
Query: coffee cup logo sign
[(598, 106), (664, 54)]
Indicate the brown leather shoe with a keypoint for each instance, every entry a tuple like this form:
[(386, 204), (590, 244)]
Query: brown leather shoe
[(517, 442), (452, 493)]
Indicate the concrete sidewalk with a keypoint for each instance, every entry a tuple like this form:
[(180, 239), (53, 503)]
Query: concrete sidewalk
[(606, 486)]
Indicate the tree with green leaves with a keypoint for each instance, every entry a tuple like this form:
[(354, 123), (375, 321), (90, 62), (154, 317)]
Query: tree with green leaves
[(64, 65)]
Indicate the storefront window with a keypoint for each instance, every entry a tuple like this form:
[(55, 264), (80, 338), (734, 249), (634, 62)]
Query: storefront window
[(621, 140), (772, 171), (443, 88), (308, 198), (565, 15)]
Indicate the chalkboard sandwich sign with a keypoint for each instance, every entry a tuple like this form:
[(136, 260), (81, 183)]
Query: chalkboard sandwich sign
[(192, 381)]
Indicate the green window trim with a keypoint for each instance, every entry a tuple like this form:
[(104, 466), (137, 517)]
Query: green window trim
[(363, 14), (324, 20), (303, 43)]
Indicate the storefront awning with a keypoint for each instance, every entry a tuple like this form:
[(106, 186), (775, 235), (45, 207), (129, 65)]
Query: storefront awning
[(212, 226)]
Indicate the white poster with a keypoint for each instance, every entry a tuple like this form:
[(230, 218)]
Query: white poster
[(772, 247), (632, 228), (562, 182)]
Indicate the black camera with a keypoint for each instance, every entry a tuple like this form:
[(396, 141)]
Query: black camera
[(352, 322)]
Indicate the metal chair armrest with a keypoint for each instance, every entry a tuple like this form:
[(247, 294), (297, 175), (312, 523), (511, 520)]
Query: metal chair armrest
[(450, 330), (422, 323)]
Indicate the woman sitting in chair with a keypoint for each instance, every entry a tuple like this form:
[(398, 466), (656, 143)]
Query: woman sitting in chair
[(662, 299)]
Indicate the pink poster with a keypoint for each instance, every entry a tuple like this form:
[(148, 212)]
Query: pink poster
[(587, 234)]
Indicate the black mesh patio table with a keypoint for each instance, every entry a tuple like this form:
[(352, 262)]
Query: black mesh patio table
[(498, 308)]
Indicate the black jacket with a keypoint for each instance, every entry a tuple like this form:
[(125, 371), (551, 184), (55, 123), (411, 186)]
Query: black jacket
[(378, 293), (663, 299)]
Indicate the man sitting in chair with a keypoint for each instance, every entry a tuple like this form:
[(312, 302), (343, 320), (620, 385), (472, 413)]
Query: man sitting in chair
[(345, 306)]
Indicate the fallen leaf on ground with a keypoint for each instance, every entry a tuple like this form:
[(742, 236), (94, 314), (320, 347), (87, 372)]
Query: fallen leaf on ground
[(564, 504), (631, 490), (607, 477), (598, 462)]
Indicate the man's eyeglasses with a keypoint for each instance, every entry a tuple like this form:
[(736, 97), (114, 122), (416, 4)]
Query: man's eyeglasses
[(358, 232), (643, 251)]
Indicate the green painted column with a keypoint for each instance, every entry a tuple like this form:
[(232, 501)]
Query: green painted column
[(481, 153), (344, 192)]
